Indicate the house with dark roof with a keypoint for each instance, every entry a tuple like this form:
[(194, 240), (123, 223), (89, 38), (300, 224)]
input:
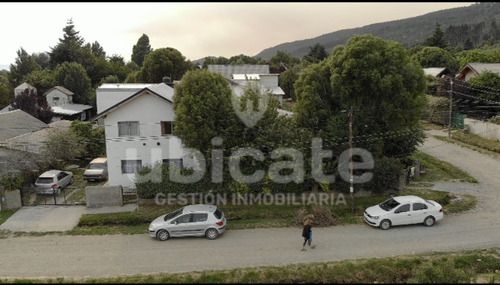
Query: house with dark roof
[(476, 69), (60, 100), (139, 129)]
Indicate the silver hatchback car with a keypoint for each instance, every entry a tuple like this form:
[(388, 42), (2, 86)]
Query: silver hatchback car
[(53, 181), (191, 220)]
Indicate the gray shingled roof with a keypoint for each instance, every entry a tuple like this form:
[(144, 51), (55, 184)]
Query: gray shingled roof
[(32, 142), (482, 67), (228, 70), (18, 122)]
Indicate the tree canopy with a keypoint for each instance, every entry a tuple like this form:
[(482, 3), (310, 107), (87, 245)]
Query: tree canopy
[(378, 81)]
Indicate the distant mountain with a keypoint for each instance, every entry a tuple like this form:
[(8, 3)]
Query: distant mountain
[(409, 32), (5, 66)]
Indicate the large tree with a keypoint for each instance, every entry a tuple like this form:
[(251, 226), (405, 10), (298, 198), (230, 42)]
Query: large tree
[(141, 50), (203, 109), (436, 57), (68, 46), (163, 62), (6, 93), (72, 76), (378, 81), (437, 39), (316, 53), (24, 64), (42, 80)]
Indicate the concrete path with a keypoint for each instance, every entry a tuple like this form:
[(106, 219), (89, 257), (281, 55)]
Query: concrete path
[(50, 218)]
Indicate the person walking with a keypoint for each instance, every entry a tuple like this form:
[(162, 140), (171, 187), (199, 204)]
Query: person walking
[(307, 234)]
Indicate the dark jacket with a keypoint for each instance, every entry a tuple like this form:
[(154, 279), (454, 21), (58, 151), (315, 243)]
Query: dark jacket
[(306, 231)]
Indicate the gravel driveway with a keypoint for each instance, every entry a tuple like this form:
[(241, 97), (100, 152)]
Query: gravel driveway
[(101, 256)]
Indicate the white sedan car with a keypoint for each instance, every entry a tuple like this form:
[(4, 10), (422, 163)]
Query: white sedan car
[(404, 210)]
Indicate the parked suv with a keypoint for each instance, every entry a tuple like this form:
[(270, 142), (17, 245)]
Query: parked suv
[(97, 170), (53, 181), (191, 220)]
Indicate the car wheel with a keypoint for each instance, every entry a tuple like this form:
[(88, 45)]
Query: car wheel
[(72, 181), (162, 235), (385, 224), (212, 233), (429, 221)]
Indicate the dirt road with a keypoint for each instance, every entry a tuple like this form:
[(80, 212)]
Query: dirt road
[(100, 256)]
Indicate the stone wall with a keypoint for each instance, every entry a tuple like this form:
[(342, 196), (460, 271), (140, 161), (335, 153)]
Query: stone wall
[(101, 196)]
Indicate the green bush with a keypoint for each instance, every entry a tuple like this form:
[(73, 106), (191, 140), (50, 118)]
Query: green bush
[(12, 181), (151, 180), (439, 108)]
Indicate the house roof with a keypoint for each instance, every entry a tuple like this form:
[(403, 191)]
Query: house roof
[(32, 142), (60, 88), (23, 87), (161, 90), (436, 71), (228, 70), (479, 68), (70, 109), (18, 122)]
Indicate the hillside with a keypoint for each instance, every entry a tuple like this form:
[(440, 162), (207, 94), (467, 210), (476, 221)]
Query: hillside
[(409, 32)]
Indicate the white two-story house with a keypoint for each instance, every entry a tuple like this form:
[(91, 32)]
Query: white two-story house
[(139, 129)]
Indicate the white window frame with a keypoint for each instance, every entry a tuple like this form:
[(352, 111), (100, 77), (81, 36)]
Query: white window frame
[(131, 166), (125, 129)]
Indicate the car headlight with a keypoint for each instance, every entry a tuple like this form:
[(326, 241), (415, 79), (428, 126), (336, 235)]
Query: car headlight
[(375, 217)]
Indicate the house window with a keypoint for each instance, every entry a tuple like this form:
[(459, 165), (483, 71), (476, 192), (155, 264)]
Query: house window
[(177, 162), (56, 101), (167, 128), (131, 166), (128, 129)]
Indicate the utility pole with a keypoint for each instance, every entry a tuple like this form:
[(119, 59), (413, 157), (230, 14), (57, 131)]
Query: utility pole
[(451, 104), (351, 190)]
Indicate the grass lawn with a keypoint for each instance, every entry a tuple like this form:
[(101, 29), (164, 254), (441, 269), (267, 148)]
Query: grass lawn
[(438, 170), (4, 215)]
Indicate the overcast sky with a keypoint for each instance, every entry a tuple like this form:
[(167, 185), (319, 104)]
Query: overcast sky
[(195, 29)]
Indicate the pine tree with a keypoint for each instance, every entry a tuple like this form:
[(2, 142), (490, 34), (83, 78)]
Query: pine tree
[(141, 50)]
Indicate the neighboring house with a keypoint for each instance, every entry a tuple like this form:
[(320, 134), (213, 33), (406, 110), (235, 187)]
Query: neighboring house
[(14, 124), (60, 100), (438, 72), (475, 69), (17, 122), (23, 87), (139, 129), (20, 131), (240, 75)]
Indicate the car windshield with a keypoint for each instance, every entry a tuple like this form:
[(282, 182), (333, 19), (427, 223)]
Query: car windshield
[(173, 214), (430, 202), (389, 204), (96, 166), (45, 180)]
